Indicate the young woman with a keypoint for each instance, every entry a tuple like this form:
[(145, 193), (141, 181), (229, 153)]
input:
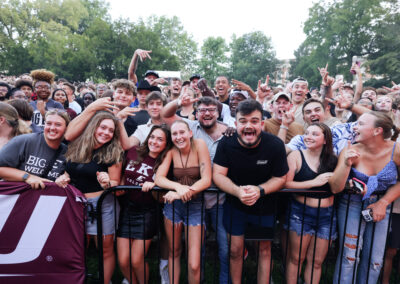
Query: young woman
[(191, 165), (94, 162), (59, 95), (374, 161), (138, 219), (187, 109), (310, 216), (10, 124)]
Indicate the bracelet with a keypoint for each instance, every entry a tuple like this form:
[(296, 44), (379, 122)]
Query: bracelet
[(284, 127), (262, 191), (350, 106)]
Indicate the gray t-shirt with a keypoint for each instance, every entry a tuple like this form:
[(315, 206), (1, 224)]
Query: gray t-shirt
[(30, 153), (37, 117)]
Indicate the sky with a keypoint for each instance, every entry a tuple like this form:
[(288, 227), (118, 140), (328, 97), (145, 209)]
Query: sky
[(281, 20)]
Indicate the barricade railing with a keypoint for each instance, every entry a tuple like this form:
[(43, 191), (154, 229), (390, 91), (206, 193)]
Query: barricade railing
[(280, 244)]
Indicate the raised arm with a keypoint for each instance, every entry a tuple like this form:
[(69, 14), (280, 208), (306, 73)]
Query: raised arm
[(205, 167), (138, 54), (359, 85), (346, 159), (126, 141), (79, 123), (244, 87), (168, 113)]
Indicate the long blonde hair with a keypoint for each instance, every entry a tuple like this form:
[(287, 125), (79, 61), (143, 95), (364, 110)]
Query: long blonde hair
[(11, 116), (82, 149)]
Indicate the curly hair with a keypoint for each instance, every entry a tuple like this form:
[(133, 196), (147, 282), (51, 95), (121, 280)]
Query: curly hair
[(42, 75), (82, 150)]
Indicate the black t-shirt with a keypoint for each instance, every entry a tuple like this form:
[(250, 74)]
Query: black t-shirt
[(141, 117), (84, 177), (130, 125), (252, 166)]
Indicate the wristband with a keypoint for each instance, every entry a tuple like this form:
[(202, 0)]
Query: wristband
[(262, 191), (350, 106), (284, 127)]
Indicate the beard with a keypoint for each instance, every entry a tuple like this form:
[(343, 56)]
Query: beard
[(208, 126), (247, 144)]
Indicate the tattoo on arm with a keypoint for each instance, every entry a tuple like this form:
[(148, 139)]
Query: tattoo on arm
[(202, 166)]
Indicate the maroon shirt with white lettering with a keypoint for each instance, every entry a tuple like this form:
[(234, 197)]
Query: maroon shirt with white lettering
[(136, 174)]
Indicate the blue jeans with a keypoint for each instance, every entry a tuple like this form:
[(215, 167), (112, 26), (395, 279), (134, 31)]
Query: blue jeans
[(222, 240), (361, 231)]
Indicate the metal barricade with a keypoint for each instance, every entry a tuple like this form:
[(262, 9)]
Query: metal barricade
[(210, 265)]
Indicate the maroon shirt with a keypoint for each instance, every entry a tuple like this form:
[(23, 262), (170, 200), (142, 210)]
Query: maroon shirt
[(136, 174)]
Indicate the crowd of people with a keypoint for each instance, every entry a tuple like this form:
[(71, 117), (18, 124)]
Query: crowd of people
[(334, 146)]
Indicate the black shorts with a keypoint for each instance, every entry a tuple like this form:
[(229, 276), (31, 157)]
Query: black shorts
[(394, 235), (137, 222)]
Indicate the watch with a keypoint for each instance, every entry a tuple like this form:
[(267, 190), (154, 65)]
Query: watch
[(262, 191), (25, 177)]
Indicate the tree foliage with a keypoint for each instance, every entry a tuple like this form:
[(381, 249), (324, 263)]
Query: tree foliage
[(252, 57), (214, 60), (340, 29)]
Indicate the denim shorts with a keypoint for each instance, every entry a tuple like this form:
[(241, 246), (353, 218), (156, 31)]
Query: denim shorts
[(238, 222), (109, 213), (191, 213), (136, 222), (322, 222)]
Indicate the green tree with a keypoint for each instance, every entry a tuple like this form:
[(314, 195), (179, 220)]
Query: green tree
[(252, 58), (213, 61), (173, 37), (336, 31)]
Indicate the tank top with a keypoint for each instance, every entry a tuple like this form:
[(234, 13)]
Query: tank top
[(185, 175), (381, 181), (306, 173)]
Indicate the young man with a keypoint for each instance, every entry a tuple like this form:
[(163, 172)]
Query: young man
[(299, 92), (144, 89), (282, 123), (249, 166), (155, 102), (175, 88), (42, 80), (70, 90), (38, 157), (193, 83), (222, 86), (207, 127), (124, 95), (26, 87)]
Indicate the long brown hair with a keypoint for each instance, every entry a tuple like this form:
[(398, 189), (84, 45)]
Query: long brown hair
[(327, 159), (82, 149), (143, 150), (11, 116)]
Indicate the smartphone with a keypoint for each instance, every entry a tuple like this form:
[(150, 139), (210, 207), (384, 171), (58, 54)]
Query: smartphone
[(359, 186), (367, 215), (357, 62)]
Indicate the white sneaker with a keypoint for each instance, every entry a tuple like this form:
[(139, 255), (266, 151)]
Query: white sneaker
[(125, 281), (164, 272)]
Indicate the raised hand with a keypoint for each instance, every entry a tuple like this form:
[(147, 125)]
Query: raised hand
[(143, 54), (127, 111), (241, 85), (350, 155), (103, 104)]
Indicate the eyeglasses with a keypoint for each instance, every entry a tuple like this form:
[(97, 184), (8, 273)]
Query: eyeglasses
[(42, 87), (204, 110)]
